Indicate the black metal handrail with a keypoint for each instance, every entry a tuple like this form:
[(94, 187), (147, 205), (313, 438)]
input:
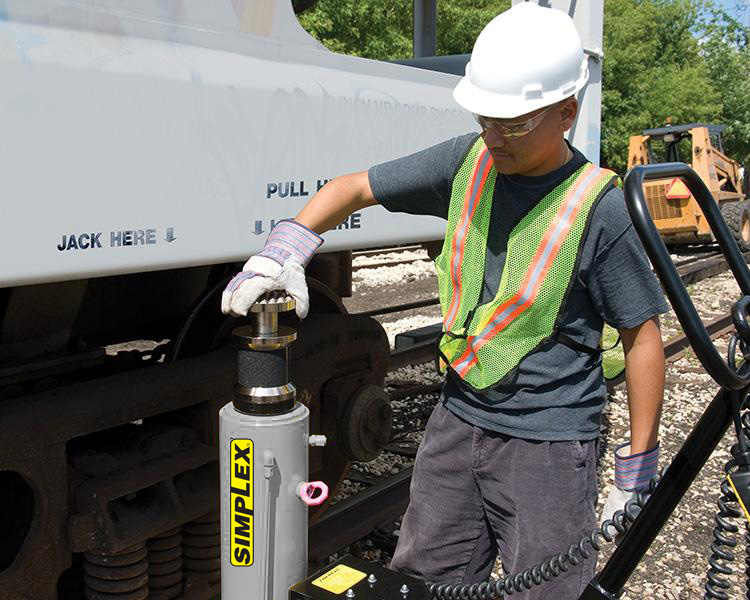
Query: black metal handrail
[(683, 306), (717, 417)]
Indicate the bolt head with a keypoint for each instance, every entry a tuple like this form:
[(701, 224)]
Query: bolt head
[(404, 589), (371, 578), (350, 593)]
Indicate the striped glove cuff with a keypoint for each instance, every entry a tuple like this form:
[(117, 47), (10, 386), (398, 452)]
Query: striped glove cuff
[(634, 471), (289, 238)]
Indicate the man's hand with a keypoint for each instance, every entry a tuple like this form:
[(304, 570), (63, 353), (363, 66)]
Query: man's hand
[(279, 266), (632, 474), (292, 243)]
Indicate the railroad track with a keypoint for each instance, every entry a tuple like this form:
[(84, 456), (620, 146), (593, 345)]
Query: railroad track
[(376, 251), (389, 263), (693, 256), (384, 500), (691, 270)]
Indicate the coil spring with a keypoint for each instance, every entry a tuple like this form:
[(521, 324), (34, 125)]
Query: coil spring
[(121, 576), (165, 565), (552, 567), (201, 547)]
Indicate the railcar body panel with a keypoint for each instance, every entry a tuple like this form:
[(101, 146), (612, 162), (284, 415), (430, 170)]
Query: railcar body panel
[(142, 136), (126, 153)]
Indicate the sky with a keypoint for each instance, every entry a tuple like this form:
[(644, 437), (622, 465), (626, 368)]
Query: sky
[(739, 9)]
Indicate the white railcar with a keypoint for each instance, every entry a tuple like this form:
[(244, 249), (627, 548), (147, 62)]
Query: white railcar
[(146, 148)]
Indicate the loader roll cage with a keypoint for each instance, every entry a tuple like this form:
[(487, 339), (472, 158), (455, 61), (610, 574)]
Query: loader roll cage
[(663, 143)]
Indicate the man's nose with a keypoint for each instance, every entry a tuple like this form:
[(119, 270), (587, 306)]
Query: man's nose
[(494, 139)]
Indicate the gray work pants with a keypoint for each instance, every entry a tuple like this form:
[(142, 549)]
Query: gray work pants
[(476, 494)]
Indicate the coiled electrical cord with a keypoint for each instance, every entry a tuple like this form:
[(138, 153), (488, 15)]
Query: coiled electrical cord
[(724, 531), (552, 567), (724, 541)]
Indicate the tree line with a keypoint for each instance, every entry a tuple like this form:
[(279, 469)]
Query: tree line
[(686, 60)]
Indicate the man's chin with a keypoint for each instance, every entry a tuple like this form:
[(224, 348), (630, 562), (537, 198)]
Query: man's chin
[(504, 164)]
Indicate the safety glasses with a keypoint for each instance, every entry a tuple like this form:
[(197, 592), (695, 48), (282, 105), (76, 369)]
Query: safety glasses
[(511, 129)]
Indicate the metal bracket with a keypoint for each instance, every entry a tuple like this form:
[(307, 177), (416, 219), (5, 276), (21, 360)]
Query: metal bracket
[(595, 53)]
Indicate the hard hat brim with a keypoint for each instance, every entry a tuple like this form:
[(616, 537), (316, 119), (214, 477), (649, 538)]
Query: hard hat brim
[(500, 106)]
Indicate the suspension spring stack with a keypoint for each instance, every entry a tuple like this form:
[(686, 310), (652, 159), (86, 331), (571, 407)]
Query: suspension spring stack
[(165, 565), (122, 576), (201, 548)]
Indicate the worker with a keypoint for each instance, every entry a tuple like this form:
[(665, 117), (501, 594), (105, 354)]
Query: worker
[(539, 252)]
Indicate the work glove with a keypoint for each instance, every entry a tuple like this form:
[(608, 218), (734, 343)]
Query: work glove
[(632, 474), (279, 266)]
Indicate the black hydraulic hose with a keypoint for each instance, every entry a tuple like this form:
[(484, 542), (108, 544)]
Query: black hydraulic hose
[(553, 566), (174, 354)]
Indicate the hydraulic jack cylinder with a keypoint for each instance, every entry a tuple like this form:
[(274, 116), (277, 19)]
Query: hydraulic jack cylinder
[(264, 437)]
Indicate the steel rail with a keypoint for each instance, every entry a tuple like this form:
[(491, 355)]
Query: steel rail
[(399, 307), (358, 515), (389, 250), (390, 263)]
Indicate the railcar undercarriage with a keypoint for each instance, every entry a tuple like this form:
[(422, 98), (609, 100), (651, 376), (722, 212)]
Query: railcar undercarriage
[(109, 463)]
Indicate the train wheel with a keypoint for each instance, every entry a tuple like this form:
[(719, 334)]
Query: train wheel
[(338, 365), (737, 217)]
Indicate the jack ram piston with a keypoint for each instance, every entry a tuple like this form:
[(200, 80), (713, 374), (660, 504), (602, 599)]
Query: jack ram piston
[(264, 439)]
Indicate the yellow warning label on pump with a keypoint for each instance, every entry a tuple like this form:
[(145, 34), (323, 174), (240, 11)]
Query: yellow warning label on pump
[(339, 579), (241, 499)]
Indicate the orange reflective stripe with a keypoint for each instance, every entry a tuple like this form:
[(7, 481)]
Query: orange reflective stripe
[(543, 258), (482, 168)]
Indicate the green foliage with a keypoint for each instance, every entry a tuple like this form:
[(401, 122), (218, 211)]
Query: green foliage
[(460, 21), (369, 28), (383, 30), (653, 69), (726, 49)]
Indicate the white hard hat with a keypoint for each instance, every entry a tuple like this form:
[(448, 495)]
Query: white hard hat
[(524, 59)]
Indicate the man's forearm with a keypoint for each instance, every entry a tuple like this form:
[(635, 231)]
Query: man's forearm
[(339, 198), (644, 377)]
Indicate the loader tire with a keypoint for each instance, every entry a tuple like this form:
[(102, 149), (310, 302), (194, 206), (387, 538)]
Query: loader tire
[(737, 217)]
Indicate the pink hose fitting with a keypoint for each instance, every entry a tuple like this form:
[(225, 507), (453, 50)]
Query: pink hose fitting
[(312, 493)]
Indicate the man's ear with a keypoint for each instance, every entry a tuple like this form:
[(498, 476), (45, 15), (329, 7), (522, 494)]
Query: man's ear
[(568, 113)]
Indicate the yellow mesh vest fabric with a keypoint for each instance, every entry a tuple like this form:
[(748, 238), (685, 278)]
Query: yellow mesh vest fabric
[(474, 243), (540, 261)]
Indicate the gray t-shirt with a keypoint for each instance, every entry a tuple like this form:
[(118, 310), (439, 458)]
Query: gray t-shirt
[(558, 392)]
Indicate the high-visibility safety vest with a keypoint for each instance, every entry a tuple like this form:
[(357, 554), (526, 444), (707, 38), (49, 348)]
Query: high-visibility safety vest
[(484, 343)]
